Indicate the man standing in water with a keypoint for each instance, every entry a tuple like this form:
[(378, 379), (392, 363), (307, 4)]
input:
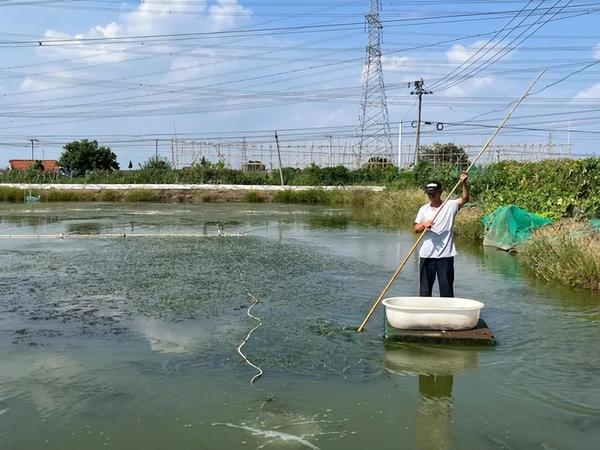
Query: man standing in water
[(437, 250)]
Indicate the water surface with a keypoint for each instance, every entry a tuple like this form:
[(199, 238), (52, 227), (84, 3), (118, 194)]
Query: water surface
[(130, 342)]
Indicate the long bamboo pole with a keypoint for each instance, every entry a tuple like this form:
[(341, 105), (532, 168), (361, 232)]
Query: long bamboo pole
[(420, 238)]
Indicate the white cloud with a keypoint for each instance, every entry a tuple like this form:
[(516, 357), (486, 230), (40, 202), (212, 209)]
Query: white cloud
[(597, 51), (170, 16), (191, 65), (226, 13), (459, 53), (58, 78), (472, 85), (401, 63), (592, 93)]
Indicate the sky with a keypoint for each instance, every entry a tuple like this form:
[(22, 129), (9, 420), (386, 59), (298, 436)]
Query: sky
[(134, 75)]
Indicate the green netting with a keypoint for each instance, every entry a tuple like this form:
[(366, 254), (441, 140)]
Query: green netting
[(509, 225), (595, 224)]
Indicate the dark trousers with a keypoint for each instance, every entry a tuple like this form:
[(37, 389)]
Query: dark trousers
[(443, 268)]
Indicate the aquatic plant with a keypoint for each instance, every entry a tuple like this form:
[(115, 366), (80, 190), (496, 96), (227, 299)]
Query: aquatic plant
[(567, 252), (60, 195), (468, 224), (401, 205), (143, 195), (12, 195), (110, 195), (309, 196), (253, 197)]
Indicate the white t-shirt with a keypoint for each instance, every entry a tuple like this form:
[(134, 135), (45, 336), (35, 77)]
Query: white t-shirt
[(438, 241)]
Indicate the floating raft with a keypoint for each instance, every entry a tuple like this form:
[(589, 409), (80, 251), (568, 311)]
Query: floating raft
[(480, 335)]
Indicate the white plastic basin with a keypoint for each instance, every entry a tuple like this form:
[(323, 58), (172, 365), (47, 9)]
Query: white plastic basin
[(432, 313)]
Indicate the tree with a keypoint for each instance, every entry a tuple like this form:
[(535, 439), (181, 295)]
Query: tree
[(83, 156), (37, 166), (130, 166), (449, 153), (156, 163)]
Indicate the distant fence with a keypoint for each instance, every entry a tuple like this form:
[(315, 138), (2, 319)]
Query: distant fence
[(259, 156)]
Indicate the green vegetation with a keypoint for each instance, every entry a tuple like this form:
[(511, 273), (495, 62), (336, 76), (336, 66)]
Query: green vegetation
[(143, 195), (468, 224), (567, 252), (253, 197), (308, 197), (110, 195), (80, 157), (12, 195), (444, 154), (59, 195), (553, 188)]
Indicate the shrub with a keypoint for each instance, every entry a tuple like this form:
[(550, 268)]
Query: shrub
[(309, 196), (110, 195), (59, 195), (143, 195), (12, 195), (567, 252), (253, 197)]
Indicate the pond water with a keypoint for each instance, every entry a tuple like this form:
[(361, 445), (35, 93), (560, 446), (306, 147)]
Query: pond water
[(131, 342)]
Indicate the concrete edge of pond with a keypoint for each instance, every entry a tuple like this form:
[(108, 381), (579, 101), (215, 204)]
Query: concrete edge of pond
[(186, 187)]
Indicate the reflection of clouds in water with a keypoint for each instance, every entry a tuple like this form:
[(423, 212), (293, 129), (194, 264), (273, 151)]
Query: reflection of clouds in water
[(406, 359), (51, 381), (172, 337)]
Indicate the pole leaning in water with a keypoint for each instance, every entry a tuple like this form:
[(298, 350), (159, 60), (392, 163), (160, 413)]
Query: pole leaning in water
[(420, 238)]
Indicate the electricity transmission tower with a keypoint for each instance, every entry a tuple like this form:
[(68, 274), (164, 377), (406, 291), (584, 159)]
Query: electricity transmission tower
[(374, 136)]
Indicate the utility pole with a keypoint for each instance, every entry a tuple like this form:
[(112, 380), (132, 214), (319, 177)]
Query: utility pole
[(420, 91), (32, 141), (279, 158), (244, 152), (400, 145), (329, 138)]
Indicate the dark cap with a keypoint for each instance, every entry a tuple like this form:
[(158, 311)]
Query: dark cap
[(433, 187)]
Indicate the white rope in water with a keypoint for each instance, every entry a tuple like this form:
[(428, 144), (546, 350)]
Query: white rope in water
[(239, 349), (255, 301)]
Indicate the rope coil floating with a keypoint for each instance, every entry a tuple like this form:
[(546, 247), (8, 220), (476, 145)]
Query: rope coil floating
[(255, 301), (239, 349)]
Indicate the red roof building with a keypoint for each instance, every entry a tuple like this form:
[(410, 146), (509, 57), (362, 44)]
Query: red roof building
[(50, 165)]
